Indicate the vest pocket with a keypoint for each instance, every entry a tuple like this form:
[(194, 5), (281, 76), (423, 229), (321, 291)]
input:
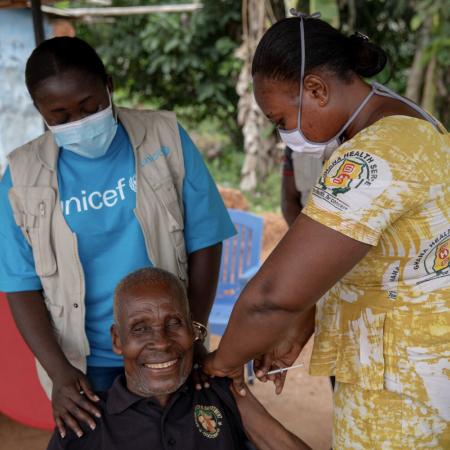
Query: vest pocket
[(169, 198), (33, 208)]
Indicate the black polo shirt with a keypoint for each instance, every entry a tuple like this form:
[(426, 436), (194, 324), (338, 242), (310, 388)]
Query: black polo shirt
[(192, 420)]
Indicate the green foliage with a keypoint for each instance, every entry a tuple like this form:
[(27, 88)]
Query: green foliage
[(394, 25), (439, 45), (224, 160), (387, 23), (182, 61), (186, 62), (226, 171), (267, 195)]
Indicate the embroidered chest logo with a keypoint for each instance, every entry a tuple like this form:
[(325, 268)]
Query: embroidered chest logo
[(164, 151), (208, 420), (132, 183)]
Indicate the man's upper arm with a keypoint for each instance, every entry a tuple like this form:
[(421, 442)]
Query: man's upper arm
[(266, 432)]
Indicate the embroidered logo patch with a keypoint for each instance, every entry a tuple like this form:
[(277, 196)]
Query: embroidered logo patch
[(208, 420), (132, 183), (162, 152), (441, 256), (435, 259), (347, 173)]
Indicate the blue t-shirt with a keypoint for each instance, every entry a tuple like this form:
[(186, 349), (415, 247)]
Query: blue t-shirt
[(98, 197)]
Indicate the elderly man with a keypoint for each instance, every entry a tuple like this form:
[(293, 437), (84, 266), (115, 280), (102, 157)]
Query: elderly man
[(156, 404)]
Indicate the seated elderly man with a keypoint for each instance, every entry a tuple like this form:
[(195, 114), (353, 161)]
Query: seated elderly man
[(156, 404)]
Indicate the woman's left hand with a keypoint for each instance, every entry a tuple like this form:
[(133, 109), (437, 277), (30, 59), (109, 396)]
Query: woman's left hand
[(213, 367)]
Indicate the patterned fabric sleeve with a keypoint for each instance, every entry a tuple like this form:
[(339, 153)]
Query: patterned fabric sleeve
[(376, 177)]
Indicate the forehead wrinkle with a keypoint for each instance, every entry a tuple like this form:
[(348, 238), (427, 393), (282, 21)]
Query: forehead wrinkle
[(162, 304), (157, 310)]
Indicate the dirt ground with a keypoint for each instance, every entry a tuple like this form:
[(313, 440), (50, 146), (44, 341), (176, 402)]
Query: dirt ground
[(304, 407)]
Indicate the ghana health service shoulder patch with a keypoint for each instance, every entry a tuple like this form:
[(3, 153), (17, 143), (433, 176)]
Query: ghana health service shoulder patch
[(346, 179)]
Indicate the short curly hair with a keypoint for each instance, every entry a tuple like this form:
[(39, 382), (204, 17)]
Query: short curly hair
[(149, 276)]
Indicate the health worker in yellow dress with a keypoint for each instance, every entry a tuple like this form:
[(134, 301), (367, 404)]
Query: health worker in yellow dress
[(368, 257)]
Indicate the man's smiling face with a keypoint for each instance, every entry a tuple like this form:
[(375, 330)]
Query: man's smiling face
[(153, 333)]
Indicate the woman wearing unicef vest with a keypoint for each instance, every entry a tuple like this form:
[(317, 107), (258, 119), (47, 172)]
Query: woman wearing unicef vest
[(104, 192), (370, 249)]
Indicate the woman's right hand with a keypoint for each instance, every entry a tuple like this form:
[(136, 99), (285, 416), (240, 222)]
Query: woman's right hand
[(72, 401), (285, 353)]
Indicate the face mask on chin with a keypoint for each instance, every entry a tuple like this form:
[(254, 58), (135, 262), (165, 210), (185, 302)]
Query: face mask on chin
[(89, 137), (295, 139)]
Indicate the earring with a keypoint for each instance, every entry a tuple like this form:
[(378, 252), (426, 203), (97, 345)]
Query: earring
[(201, 331)]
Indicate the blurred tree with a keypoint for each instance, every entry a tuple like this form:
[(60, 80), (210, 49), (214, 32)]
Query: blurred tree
[(199, 63), (429, 77), (184, 61), (416, 36), (260, 143), (303, 6)]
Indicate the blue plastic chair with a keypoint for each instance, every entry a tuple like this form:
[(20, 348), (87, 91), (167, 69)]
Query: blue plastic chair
[(240, 261)]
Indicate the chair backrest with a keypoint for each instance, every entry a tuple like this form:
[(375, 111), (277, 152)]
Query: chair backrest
[(21, 395), (239, 253)]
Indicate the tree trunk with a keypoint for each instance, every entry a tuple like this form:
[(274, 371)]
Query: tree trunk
[(278, 8), (443, 93), (429, 90), (259, 142), (347, 15), (416, 74), (303, 6)]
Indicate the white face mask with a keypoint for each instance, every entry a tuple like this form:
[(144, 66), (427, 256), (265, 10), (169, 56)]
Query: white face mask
[(295, 139), (89, 137)]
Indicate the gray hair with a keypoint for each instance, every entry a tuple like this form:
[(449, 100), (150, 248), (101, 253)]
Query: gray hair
[(149, 276)]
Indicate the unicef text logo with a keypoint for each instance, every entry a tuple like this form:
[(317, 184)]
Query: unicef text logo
[(132, 183)]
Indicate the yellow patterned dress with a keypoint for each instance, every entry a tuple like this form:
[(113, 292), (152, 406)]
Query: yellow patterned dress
[(384, 329)]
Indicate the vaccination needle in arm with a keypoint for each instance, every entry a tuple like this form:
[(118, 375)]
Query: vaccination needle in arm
[(272, 372)]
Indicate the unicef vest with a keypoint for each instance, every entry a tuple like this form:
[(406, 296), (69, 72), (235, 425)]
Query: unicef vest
[(35, 202)]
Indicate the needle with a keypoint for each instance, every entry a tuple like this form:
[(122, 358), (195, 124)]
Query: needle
[(272, 372)]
